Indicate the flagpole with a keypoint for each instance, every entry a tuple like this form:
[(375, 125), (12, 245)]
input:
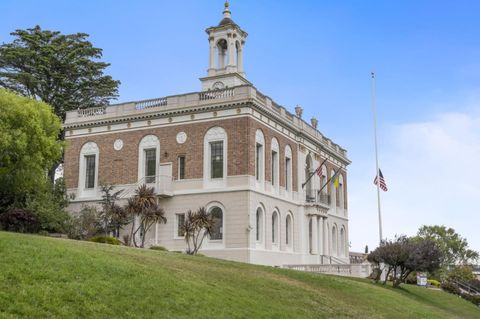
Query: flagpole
[(376, 157)]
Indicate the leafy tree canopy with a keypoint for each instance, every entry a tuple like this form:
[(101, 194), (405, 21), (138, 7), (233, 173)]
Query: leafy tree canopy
[(61, 70), (28, 144), (454, 247)]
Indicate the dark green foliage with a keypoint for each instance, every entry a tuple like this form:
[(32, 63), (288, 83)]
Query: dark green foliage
[(61, 70), (19, 220), (160, 248), (198, 225), (112, 217), (450, 287), (454, 247), (84, 224), (106, 240)]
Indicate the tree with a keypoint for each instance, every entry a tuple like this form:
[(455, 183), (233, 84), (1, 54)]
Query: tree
[(454, 247), (404, 255), (143, 207), (112, 217), (28, 146), (61, 70), (197, 226)]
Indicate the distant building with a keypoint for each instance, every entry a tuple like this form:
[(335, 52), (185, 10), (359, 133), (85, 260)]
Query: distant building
[(229, 148)]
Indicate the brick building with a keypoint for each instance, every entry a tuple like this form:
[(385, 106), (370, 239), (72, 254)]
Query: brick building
[(229, 148)]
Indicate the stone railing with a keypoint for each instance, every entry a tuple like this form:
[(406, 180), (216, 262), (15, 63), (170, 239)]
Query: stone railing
[(351, 270), (216, 94), (145, 104), (92, 111)]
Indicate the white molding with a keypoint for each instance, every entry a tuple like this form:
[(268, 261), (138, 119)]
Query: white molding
[(214, 134), (89, 148)]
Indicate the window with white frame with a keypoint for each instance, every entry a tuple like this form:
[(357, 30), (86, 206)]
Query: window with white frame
[(341, 191), (179, 223), (259, 155), (148, 159), (217, 229), (275, 228), (274, 163), (259, 225), (181, 167), (215, 157), (288, 168), (88, 170), (289, 231)]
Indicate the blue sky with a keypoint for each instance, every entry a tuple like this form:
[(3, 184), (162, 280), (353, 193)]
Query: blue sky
[(319, 54)]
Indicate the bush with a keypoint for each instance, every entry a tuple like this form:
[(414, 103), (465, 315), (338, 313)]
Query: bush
[(19, 220), (450, 287), (105, 240), (85, 224), (472, 298), (461, 273), (160, 248), (434, 282)]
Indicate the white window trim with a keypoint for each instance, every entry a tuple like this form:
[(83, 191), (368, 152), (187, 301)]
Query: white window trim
[(288, 169), (289, 246), (275, 148), (89, 148), (215, 134), (175, 229), (217, 243), (260, 244), (148, 142), (260, 139), (276, 244)]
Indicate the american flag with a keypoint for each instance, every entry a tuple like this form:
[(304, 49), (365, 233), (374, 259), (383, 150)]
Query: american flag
[(318, 171), (383, 185)]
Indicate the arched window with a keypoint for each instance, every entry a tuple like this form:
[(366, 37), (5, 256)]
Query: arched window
[(259, 156), (88, 170), (274, 163), (217, 231), (334, 241), (341, 192), (310, 195), (275, 229), (222, 54), (215, 156), (288, 168), (289, 231), (342, 242), (148, 159), (259, 225)]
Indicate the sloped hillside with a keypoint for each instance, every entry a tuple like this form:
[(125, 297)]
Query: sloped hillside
[(42, 277)]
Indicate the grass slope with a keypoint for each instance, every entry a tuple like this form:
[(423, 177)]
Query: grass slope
[(43, 277)]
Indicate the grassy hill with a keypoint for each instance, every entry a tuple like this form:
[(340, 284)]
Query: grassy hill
[(42, 277)]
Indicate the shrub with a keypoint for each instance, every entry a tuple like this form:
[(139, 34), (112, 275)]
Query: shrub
[(105, 240), (161, 248), (450, 287), (19, 220), (434, 282), (472, 298), (85, 224), (461, 273)]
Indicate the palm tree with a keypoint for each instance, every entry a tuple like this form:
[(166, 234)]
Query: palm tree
[(197, 226), (144, 206)]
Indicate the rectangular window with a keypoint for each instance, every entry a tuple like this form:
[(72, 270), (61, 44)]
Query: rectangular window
[(150, 165), (258, 161), (216, 158), (274, 168), (181, 167), (287, 173), (90, 171), (180, 223)]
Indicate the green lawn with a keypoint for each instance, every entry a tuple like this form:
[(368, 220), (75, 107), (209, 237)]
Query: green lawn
[(43, 277)]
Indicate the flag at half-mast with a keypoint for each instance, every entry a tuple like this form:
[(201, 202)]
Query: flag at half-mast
[(380, 178)]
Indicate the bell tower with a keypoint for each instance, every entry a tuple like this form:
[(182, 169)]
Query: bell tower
[(226, 42)]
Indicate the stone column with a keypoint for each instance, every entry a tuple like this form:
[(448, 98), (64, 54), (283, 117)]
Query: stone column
[(314, 235), (326, 251), (240, 58), (212, 65)]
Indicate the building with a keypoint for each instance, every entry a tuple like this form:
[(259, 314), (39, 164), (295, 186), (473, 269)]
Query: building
[(229, 148)]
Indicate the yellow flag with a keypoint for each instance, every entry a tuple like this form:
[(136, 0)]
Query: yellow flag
[(335, 182)]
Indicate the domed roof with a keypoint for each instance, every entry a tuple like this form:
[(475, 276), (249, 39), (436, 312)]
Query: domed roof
[(226, 21)]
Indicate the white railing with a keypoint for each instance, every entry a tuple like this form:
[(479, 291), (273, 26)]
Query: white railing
[(216, 94), (351, 270), (162, 185), (145, 104), (315, 196), (92, 111)]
